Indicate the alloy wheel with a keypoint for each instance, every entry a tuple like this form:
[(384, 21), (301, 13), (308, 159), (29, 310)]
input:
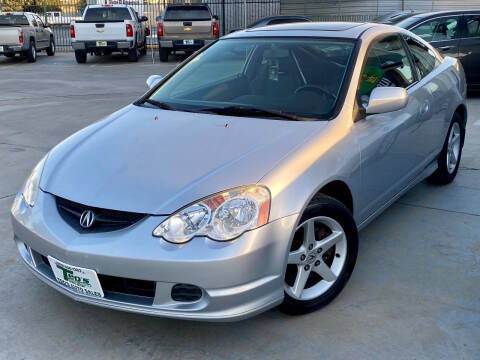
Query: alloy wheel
[(453, 147), (316, 258)]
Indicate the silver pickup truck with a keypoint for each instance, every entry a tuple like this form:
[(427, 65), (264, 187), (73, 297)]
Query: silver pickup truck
[(25, 33)]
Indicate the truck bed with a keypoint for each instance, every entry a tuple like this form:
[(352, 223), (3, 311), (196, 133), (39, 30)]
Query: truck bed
[(9, 35), (86, 30)]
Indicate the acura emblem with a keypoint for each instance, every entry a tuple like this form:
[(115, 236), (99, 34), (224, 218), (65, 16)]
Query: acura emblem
[(87, 219)]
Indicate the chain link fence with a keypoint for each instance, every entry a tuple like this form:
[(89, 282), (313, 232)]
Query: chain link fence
[(233, 14)]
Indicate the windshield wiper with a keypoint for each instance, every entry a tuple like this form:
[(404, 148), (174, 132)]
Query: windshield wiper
[(158, 104), (248, 111)]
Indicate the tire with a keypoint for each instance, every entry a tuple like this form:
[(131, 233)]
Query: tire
[(51, 47), (333, 252), (81, 56), (32, 52), (143, 50), (133, 54), (452, 149), (163, 54)]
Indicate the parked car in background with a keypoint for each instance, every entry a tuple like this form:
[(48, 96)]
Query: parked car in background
[(185, 28), (26, 34), (275, 20), (395, 17), (279, 19), (240, 180), (106, 29), (452, 33)]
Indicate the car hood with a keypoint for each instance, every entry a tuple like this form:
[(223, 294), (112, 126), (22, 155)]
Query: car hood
[(157, 161)]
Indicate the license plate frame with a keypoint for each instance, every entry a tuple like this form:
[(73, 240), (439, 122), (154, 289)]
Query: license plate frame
[(188, 42), (101, 43), (80, 280)]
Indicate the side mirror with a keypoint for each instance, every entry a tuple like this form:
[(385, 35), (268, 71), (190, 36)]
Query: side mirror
[(143, 19), (387, 99), (153, 80), (215, 17)]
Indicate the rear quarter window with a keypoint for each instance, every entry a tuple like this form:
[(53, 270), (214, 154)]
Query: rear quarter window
[(183, 13), (107, 13)]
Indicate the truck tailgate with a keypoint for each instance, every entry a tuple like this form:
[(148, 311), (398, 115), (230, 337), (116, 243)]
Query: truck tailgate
[(190, 29), (110, 30), (9, 35)]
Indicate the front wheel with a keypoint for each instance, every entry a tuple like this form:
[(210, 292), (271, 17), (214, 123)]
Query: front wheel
[(32, 52), (51, 48), (449, 159), (143, 50), (133, 54), (81, 56), (163, 54), (321, 258)]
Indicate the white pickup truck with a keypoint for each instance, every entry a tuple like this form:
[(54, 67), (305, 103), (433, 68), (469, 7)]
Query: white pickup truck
[(105, 29)]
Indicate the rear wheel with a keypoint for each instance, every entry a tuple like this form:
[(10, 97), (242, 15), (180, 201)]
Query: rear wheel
[(51, 48), (321, 258), (163, 54), (449, 159), (32, 52), (81, 56), (133, 54)]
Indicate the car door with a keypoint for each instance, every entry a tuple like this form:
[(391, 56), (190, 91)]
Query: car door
[(391, 145), (442, 32), (470, 49), (43, 36), (438, 84)]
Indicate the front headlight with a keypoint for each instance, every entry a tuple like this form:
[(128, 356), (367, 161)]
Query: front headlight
[(221, 217), (30, 189)]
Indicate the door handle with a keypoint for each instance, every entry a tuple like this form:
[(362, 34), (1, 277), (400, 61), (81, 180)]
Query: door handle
[(444, 48), (425, 108)]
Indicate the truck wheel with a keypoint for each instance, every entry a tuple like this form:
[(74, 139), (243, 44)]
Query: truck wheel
[(163, 54), (81, 56), (143, 51), (133, 54), (51, 48), (32, 52)]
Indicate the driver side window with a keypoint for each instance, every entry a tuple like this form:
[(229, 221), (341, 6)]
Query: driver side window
[(386, 65)]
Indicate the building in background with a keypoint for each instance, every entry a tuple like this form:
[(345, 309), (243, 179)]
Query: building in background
[(366, 10)]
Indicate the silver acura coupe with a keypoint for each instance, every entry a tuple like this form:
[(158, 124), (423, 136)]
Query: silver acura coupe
[(239, 181)]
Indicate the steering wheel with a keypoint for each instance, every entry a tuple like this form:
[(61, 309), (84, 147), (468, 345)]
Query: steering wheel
[(315, 88)]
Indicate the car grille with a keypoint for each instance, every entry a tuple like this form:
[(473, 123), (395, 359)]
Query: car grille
[(105, 219)]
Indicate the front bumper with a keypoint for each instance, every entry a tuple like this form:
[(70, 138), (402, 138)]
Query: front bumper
[(238, 279), (112, 45)]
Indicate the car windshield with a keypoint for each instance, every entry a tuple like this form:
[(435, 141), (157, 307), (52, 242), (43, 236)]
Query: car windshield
[(408, 22), (107, 13), (181, 13), (302, 77), (6, 20)]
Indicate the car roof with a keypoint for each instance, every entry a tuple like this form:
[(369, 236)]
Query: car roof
[(441, 13), (350, 30)]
